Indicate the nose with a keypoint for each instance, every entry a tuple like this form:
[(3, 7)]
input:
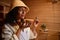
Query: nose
[(22, 12)]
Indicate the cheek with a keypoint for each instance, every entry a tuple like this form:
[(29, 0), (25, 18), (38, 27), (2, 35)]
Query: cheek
[(22, 15)]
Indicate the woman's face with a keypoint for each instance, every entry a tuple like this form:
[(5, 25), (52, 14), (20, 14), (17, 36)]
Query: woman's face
[(21, 13)]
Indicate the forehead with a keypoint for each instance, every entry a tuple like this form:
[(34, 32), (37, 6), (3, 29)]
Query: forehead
[(22, 8)]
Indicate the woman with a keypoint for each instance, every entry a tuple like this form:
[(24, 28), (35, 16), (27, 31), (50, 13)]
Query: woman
[(14, 20), (15, 27)]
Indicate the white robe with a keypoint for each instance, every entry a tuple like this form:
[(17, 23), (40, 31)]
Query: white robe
[(8, 33), (27, 34)]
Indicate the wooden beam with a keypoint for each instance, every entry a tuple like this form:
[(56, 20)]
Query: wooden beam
[(4, 4)]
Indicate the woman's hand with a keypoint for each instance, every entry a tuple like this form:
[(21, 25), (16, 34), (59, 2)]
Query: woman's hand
[(36, 22)]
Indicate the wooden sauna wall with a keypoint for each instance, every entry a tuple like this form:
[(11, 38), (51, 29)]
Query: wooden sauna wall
[(47, 13)]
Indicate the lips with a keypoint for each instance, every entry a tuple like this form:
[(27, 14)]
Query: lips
[(22, 16)]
